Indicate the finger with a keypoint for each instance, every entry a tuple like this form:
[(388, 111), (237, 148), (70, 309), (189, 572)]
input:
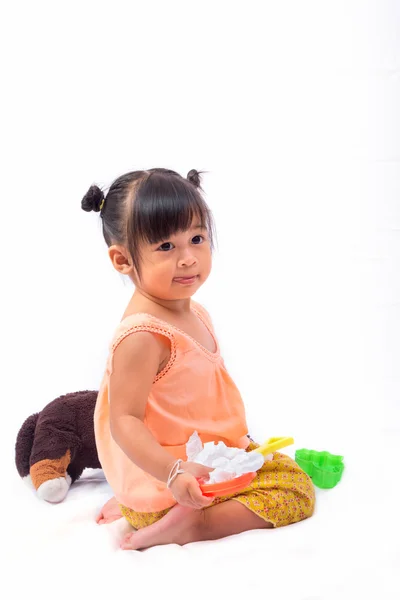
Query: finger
[(206, 501), (205, 471), (198, 498), (186, 500), (190, 503)]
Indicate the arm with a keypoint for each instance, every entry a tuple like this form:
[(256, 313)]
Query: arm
[(136, 362)]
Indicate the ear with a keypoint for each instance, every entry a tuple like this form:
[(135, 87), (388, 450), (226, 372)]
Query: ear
[(121, 259)]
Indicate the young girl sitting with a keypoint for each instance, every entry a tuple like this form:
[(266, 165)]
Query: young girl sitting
[(165, 377)]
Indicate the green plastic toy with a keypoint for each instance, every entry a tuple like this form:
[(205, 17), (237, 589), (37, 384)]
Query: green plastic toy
[(325, 469)]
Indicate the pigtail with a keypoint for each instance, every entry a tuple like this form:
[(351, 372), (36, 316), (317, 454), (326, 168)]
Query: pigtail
[(194, 177), (93, 199)]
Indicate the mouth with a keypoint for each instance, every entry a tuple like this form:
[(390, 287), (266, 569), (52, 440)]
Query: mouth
[(186, 280)]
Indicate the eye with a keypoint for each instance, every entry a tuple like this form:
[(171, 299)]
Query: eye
[(198, 239), (165, 247)]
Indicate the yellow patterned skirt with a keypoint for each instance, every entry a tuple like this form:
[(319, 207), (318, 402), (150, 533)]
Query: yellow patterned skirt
[(281, 493)]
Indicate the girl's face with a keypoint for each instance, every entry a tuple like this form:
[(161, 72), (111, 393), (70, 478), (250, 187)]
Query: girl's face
[(175, 268)]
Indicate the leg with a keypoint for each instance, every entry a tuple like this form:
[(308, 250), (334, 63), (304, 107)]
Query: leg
[(182, 525), (51, 479), (53, 451), (109, 513), (230, 518)]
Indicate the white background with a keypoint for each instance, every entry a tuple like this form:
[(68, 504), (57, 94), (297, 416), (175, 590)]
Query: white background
[(293, 110)]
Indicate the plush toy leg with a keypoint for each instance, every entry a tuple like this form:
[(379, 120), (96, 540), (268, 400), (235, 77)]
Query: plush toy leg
[(50, 478)]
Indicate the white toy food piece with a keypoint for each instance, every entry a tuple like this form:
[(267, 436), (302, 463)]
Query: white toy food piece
[(228, 463)]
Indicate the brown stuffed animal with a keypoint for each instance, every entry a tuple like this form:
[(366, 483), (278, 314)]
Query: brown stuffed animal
[(55, 445)]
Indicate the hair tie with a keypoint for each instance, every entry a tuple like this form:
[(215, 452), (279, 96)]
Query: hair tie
[(102, 204)]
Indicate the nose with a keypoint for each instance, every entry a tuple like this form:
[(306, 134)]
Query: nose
[(187, 259)]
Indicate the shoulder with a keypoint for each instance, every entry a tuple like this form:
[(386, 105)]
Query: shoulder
[(139, 353), (143, 343), (145, 327), (139, 336)]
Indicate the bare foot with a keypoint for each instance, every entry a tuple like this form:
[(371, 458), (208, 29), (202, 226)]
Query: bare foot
[(109, 513), (164, 531)]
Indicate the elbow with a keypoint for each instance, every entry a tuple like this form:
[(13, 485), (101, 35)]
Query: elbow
[(120, 424), (115, 428)]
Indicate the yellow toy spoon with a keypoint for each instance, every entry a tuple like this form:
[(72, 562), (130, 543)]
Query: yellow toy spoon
[(273, 444)]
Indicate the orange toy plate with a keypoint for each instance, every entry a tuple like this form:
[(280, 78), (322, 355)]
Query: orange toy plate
[(225, 488)]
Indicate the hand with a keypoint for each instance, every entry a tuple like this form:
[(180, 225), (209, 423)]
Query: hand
[(186, 489)]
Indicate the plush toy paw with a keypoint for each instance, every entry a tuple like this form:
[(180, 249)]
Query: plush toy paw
[(54, 490), (28, 482)]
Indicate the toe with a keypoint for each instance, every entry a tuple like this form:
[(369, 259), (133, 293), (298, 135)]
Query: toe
[(126, 543)]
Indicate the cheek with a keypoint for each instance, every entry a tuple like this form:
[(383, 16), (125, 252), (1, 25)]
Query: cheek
[(162, 269), (207, 262)]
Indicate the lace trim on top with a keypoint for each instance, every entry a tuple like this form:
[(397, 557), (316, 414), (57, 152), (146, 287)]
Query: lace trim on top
[(153, 329), (212, 355), (211, 331)]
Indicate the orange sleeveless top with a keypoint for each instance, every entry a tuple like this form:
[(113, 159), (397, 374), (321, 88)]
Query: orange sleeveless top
[(193, 392)]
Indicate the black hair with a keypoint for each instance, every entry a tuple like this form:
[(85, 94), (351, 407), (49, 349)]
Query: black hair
[(149, 206)]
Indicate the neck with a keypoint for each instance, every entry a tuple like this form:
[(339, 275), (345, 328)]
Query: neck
[(178, 307)]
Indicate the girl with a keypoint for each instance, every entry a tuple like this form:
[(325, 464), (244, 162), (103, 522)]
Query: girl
[(165, 377)]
